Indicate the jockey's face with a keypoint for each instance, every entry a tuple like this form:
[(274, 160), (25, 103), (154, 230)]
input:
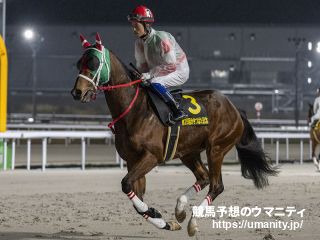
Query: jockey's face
[(138, 29)]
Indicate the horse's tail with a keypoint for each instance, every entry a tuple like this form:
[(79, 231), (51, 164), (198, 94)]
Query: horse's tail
[(254, 162)]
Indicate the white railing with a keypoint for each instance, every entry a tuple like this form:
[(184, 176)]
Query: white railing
[(63, 127), (89, 127), (280, 135), (83, 135), (45, 135)]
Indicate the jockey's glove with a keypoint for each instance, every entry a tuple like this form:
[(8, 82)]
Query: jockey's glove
[(145, 77)]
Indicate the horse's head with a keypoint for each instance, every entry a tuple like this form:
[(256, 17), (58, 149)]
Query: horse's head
[(310, 112), (94, 70)]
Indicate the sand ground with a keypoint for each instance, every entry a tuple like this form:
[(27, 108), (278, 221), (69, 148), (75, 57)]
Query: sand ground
[(74, 204)]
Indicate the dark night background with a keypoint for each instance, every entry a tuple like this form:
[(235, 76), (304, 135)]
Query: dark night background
[(251, 42), (174, 11)]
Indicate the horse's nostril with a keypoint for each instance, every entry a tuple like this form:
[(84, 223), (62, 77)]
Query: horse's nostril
[(78, 93)]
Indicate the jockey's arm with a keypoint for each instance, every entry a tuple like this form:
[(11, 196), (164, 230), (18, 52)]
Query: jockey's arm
[(169, 60), (141, 62), (143, 67)]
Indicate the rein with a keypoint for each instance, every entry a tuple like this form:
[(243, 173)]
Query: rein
[(125, 112), (111, 87)]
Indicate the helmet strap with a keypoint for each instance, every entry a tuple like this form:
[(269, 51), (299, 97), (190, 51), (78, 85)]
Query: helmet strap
[(147, 29)]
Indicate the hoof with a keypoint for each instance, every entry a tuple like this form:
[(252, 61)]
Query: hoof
[(180, 216), (192, 227), (174, 226), (180, 213)]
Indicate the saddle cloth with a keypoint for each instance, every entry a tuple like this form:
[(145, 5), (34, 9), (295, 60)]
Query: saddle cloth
[(197, 114)]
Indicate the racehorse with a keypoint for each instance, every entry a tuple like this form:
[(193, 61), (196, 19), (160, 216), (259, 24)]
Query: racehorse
[(140, 137), (314, 136)]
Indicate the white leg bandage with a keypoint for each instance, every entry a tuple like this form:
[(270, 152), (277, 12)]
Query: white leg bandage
[(142, 208)]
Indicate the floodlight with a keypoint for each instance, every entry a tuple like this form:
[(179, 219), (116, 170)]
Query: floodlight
[(28, 34), (309, 80)]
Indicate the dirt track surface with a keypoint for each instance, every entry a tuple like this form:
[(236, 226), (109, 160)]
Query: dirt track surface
[(74, 204)]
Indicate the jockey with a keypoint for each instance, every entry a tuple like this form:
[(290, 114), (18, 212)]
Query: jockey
[(316, 109), (159, 57)]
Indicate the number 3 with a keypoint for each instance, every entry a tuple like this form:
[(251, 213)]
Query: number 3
[(197, 108)]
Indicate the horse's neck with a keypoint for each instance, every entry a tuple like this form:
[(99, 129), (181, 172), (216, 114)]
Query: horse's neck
[(118, 100)]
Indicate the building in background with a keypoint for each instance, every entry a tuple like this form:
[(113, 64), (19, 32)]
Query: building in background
[(250, 62)]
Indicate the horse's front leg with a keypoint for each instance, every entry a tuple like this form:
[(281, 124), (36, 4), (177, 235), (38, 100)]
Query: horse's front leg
[(139, 187), (130, 185)]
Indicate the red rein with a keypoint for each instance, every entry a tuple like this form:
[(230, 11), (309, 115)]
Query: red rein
[(109, 88)]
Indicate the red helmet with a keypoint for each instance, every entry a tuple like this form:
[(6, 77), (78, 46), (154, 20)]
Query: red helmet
[(141, 14)]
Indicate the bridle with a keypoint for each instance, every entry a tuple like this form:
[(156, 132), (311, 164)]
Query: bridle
[(96, 78), (95, 81)]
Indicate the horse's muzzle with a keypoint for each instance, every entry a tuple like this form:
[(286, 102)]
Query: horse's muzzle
[(76, 94)]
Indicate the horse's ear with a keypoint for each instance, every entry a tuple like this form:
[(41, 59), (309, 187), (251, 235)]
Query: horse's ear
[(84, 42), (98, 42)]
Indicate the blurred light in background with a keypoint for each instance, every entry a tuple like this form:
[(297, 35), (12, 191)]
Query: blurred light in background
[(232, 68), (309, 80), (28, 34), (219, 74), (252, 37), (318, 47), (30, 120)]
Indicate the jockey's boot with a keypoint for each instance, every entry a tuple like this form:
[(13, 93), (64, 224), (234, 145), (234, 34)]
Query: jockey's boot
[(178, 113)]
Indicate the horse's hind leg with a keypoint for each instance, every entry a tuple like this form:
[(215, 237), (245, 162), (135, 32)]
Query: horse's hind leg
[(194, 163), (215, 156)]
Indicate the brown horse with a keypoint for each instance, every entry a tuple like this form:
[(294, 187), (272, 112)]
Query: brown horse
[(314, 136), (140, 137)]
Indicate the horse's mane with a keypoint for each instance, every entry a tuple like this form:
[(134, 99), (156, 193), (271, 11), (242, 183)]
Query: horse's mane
[(130, 73)]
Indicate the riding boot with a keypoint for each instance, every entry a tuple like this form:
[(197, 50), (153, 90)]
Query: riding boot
[(178, 113)]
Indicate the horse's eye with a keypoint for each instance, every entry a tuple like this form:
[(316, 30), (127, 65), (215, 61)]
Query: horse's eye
[(93, 63)]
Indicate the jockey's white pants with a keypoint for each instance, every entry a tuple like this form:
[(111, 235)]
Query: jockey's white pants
[(173, 79)]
